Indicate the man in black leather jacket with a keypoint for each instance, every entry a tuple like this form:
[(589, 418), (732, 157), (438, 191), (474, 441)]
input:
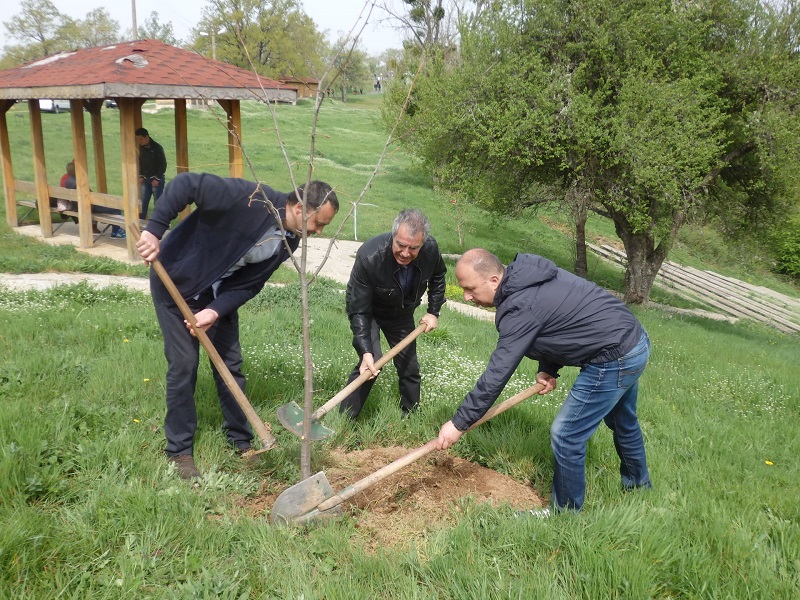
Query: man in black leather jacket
[(391, 273)]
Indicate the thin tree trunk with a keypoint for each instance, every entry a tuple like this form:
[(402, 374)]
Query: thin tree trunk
[(581, 263)]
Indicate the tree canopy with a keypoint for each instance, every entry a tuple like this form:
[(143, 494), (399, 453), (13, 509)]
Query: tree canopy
[(43, 30), (274, 37), (649, 112)]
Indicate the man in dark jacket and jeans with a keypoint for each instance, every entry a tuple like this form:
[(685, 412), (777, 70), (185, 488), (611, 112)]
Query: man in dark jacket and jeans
[(219, 257), (390, 274), (152, 169), (552, 316)]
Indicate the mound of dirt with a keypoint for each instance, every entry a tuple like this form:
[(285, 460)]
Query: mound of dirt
[(420, 498)]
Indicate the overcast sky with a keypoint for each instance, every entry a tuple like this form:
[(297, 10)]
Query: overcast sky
[(335, 16)]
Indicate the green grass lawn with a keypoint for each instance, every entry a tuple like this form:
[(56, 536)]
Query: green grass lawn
[(88, 508)]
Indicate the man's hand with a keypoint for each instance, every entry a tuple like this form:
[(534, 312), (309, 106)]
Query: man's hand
[(148, 247), (368, 364), (204, 319), (154, 182), (548, 381), (448, 435), (431, 322)]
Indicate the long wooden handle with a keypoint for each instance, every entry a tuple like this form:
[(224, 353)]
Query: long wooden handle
[(409, 458), (366, 375), (267, 439)]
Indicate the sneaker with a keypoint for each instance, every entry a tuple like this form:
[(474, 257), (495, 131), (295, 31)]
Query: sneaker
[(539, 513), (184, 465), (62, 205), (119, 234)]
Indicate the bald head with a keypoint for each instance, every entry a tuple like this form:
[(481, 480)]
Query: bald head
[(479, 273), (482, 262)]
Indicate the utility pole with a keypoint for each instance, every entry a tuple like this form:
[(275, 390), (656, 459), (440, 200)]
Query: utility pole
[(134, 32)]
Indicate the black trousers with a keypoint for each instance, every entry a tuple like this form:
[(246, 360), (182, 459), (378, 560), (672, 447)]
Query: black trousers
[(394, 330), (182, 351)]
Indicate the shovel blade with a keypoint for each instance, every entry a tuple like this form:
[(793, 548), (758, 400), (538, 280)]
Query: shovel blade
[(300, 499), (291, 416)]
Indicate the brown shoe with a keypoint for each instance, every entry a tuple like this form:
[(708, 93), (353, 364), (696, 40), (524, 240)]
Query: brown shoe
[(184, 465)]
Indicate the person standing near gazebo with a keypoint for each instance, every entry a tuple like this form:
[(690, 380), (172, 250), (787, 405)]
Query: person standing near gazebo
[(152, 169)]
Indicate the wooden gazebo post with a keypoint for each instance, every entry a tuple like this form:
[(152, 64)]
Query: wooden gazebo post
[(131, 190), (234, 123), (8, 171), (81, 173), (40, 169)]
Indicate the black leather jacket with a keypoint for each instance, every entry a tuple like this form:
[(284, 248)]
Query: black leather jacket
[(374, 289)]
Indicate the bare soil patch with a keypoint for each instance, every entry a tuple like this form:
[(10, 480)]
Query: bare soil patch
[(421, 498)]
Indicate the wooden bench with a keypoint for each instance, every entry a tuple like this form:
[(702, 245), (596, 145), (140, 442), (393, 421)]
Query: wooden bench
[(60, 193)]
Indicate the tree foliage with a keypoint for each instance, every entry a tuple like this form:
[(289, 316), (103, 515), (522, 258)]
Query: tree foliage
[(43, 30), (154, 29), (274, 37), (650, 112)]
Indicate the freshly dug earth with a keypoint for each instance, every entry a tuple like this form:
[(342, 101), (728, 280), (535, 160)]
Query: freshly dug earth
[(419, 498)]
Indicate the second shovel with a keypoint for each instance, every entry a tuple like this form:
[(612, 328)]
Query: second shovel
[(291, 415)]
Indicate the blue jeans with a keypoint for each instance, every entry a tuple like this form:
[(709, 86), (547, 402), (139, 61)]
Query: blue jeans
[(149, 190), (602, 392)]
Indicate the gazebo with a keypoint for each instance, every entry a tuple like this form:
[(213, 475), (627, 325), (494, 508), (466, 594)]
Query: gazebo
[(129, 73)]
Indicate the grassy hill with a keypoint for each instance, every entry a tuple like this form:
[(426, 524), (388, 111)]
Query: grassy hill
[(88, 508)]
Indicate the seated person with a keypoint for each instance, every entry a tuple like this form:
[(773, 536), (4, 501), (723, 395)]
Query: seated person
[(68, 181)]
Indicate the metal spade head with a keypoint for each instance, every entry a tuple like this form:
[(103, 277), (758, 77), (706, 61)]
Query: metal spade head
[(300, 499), (291, 416)]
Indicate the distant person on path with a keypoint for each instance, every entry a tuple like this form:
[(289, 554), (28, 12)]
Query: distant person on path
[(152, 169), (552, 316), (391, 273), (219, 257)]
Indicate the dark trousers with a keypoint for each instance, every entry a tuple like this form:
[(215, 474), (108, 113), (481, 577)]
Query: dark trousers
[(405, 362), (182, 351)]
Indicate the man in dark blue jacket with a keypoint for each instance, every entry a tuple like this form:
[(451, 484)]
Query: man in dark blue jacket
[(219, 257), (552, 316), (391, 273)]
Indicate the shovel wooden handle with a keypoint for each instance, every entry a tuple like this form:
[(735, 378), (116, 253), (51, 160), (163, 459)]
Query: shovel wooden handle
[(267, 439), (367, 375), (409, 458)]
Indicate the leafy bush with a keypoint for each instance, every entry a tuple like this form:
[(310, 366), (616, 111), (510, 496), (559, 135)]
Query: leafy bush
[(787, 250)]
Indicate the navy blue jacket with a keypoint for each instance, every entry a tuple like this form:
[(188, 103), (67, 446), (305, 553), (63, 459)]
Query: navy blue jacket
[(227, 222), (550, 315)]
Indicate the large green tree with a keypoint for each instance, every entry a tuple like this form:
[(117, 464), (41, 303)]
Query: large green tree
[(275, 37), (649, 112), (43, 30)]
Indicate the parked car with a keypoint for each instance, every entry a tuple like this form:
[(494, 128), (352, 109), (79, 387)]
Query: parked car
[(111, 103), (53, 106)]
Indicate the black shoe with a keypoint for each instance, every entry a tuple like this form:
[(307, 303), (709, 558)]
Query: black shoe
[(184, 466)]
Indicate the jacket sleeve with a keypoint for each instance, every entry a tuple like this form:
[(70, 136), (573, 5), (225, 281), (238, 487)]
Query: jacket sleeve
[(161, 161), (359, 305), (180, 193), (517, 333), (437, 285)]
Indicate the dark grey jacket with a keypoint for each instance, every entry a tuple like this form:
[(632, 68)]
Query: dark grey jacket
[(374, 288), (227, 222), (550, 315)]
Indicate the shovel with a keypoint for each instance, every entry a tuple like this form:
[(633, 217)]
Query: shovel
[(313, 498), (267, 440), (291, 415)]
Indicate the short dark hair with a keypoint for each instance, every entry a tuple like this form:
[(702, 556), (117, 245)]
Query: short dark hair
[(141, 132), (318, 194), (415, 221)]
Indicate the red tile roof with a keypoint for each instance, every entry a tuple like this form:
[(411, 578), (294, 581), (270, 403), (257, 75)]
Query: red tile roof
[(137, 69)]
